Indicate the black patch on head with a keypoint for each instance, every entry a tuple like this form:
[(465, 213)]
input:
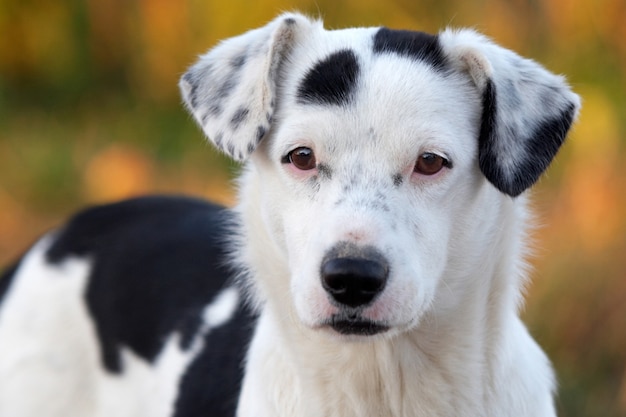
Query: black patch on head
[(397, 180), (239, 117), (290, 21), (540, 146), (157, 262), (331, 81), (417, 45)]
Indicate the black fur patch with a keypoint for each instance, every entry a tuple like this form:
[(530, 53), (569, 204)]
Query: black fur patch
[(324, 171), (416, 45), (6, 279), (540, 147), (157, 262), (211, 385), (239, 60), (239, 117), (397, 180), (331, 81), (260, 133)]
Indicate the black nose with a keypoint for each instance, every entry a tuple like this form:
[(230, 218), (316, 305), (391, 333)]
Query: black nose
[(354, 281)]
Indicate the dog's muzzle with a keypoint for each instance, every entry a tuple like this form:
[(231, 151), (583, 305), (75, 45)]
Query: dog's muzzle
[(353, 277)]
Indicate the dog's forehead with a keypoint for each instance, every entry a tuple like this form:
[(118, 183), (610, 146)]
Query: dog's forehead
[(395, 87), (328, 66)]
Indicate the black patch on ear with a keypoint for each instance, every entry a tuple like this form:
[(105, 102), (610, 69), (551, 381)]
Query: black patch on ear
[(540, 147), (260, 133), (240, 115), (331, 81), (417, 45), (239, 60)]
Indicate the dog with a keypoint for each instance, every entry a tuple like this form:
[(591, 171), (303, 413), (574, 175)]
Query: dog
[(373, 265)]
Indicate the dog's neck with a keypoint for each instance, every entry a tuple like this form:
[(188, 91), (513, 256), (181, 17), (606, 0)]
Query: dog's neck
[(470, 356)]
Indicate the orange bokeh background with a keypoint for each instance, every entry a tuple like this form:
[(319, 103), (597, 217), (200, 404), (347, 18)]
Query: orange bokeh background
[(90, 113)]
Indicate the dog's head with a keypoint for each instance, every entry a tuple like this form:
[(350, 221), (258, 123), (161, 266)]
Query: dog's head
[(380, 160)]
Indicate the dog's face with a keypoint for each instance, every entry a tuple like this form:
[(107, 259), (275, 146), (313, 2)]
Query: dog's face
[(375, 154)]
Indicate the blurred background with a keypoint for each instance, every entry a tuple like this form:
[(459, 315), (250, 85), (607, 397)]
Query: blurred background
[(90, 113)]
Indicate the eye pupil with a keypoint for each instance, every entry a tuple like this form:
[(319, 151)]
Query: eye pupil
[(430, 163), (302, 158)]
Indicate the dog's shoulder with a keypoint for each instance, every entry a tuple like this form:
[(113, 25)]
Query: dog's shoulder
[(156, 262), (154, 279)]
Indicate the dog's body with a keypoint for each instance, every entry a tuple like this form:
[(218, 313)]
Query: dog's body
[(123, 312), (380, 228)]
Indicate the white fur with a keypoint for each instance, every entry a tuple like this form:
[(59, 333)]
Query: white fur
[(455, 243)]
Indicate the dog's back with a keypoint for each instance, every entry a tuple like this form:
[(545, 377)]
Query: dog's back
[(117, 313)]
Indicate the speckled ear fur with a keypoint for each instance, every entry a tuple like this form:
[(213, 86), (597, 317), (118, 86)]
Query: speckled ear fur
[(527, 111), (231, 90)]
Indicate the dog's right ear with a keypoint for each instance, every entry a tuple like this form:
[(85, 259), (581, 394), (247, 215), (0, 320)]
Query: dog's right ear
[(231, 90), (527, 110)]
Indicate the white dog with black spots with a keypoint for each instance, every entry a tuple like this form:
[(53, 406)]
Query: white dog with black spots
[(379, 240)]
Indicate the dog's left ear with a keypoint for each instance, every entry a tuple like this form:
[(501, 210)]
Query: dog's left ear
[(527, 111), (231, 90)]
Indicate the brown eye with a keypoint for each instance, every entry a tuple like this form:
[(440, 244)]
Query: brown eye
[(430, 163), (302, 158)]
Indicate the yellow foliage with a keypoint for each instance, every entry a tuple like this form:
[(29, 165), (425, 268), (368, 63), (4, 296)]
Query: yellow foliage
[(117, 172)]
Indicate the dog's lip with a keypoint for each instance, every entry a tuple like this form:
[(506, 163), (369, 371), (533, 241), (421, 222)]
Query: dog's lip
[(356, 326)]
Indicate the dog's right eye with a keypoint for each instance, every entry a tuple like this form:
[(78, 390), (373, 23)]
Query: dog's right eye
[(302, 158)]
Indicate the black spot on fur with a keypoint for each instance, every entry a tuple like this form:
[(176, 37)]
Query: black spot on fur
[(215, 110), (226, 87), (331, 81), (417, 45), (540, 146), (238, 61), (397, 180), (324, 171), (290, 21), (6, 279), (157, 261), (239, 117), (260, 133)]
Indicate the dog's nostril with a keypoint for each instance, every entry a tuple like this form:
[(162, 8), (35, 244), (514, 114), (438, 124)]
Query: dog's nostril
[(354, 281)]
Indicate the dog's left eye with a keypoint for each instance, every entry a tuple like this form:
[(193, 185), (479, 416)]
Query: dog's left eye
[(430, 163), (302, 158)]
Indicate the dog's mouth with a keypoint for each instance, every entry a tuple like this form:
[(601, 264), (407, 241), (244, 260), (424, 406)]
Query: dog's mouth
[(356, 326)]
